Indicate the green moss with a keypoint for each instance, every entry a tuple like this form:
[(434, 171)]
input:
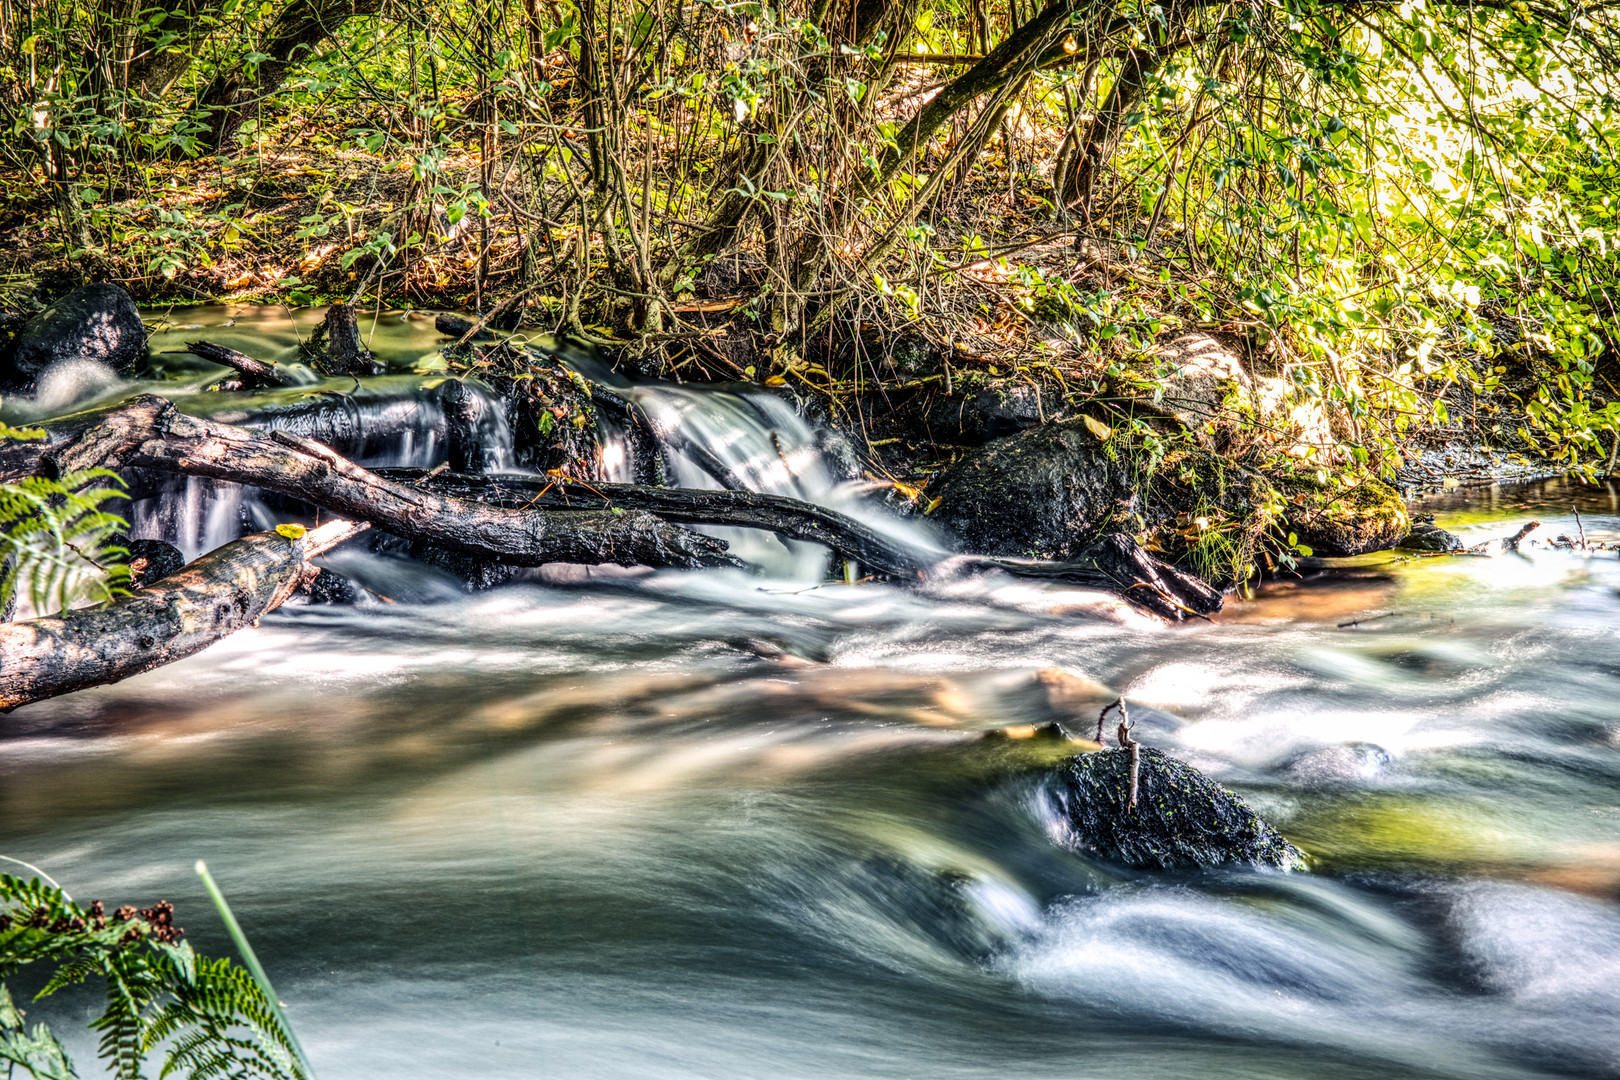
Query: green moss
[(1366, 516)]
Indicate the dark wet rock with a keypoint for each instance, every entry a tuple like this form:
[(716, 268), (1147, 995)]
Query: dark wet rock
[(149, 560), (1046, 492), (1425, 535), (1182, 820), (1369, 517), (330, 588), (93, 322)]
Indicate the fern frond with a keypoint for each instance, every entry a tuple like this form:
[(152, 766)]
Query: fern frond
[(54, 540), (37, 1051), (212, 1017)]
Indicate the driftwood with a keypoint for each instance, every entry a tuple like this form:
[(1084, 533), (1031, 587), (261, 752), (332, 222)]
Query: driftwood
[(254, 373), (150, 433), (184, 613), (460, 328), (1115, 564), (1505, 543)]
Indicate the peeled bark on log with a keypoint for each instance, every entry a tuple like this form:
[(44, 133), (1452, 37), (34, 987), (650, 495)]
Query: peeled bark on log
[(255, 373), (150, 433), (1115, 564), (186, 612)]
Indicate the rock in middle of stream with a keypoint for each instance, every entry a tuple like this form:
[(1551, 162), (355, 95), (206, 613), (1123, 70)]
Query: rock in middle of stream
[(1182, 819)]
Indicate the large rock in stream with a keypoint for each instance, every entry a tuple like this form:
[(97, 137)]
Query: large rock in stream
[(1045, 492), (93, 322), (1182, 819)]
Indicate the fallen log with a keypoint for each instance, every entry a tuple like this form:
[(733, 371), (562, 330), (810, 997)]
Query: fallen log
[(219, 594), (254, 373), (369, 421), (148, 432), (1114, 564), (523, 521), (792, 518)]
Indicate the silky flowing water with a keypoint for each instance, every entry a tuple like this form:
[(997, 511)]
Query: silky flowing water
[(715, 825)]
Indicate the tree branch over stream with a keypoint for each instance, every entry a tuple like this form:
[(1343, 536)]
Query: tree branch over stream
[(210, 599)]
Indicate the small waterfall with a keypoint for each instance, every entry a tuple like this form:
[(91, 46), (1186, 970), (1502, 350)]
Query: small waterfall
[(388, 422), (753, 440)]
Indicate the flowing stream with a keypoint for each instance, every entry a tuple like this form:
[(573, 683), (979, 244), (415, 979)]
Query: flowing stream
[(714, 825)]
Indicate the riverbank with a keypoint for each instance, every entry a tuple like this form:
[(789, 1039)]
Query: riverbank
[(1195, 466)]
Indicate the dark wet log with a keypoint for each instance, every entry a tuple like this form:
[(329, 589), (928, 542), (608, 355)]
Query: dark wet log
[(255, 373), (186, 612), (458, 327), (336, 346), (1126, 568), (1115, 564), (792, 518), (150, 433)]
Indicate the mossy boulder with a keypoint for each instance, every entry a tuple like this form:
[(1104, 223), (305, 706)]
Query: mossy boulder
[(1182, 819), (1367, 516)]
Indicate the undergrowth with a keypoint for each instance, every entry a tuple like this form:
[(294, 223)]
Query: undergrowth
[(206, 1017)]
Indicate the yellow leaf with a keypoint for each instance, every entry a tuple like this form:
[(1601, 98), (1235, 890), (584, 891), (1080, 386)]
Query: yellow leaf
[(776, 380), (1097, 428), (291, 532)]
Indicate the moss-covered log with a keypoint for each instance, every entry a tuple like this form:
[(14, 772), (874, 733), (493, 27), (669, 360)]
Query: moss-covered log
[(186, 612)]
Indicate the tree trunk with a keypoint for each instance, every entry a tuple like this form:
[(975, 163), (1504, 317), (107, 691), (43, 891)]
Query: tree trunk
[(184, 613), (301, 26)]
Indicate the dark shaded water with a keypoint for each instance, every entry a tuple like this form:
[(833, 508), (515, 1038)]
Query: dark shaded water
[(712, 825)]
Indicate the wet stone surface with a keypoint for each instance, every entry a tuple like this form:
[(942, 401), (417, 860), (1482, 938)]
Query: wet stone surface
[(1182, 820)]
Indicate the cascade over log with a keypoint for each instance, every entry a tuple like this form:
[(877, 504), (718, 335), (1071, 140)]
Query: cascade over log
[(186, 612), (529, 521), (1115, 563), (149, 432)]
